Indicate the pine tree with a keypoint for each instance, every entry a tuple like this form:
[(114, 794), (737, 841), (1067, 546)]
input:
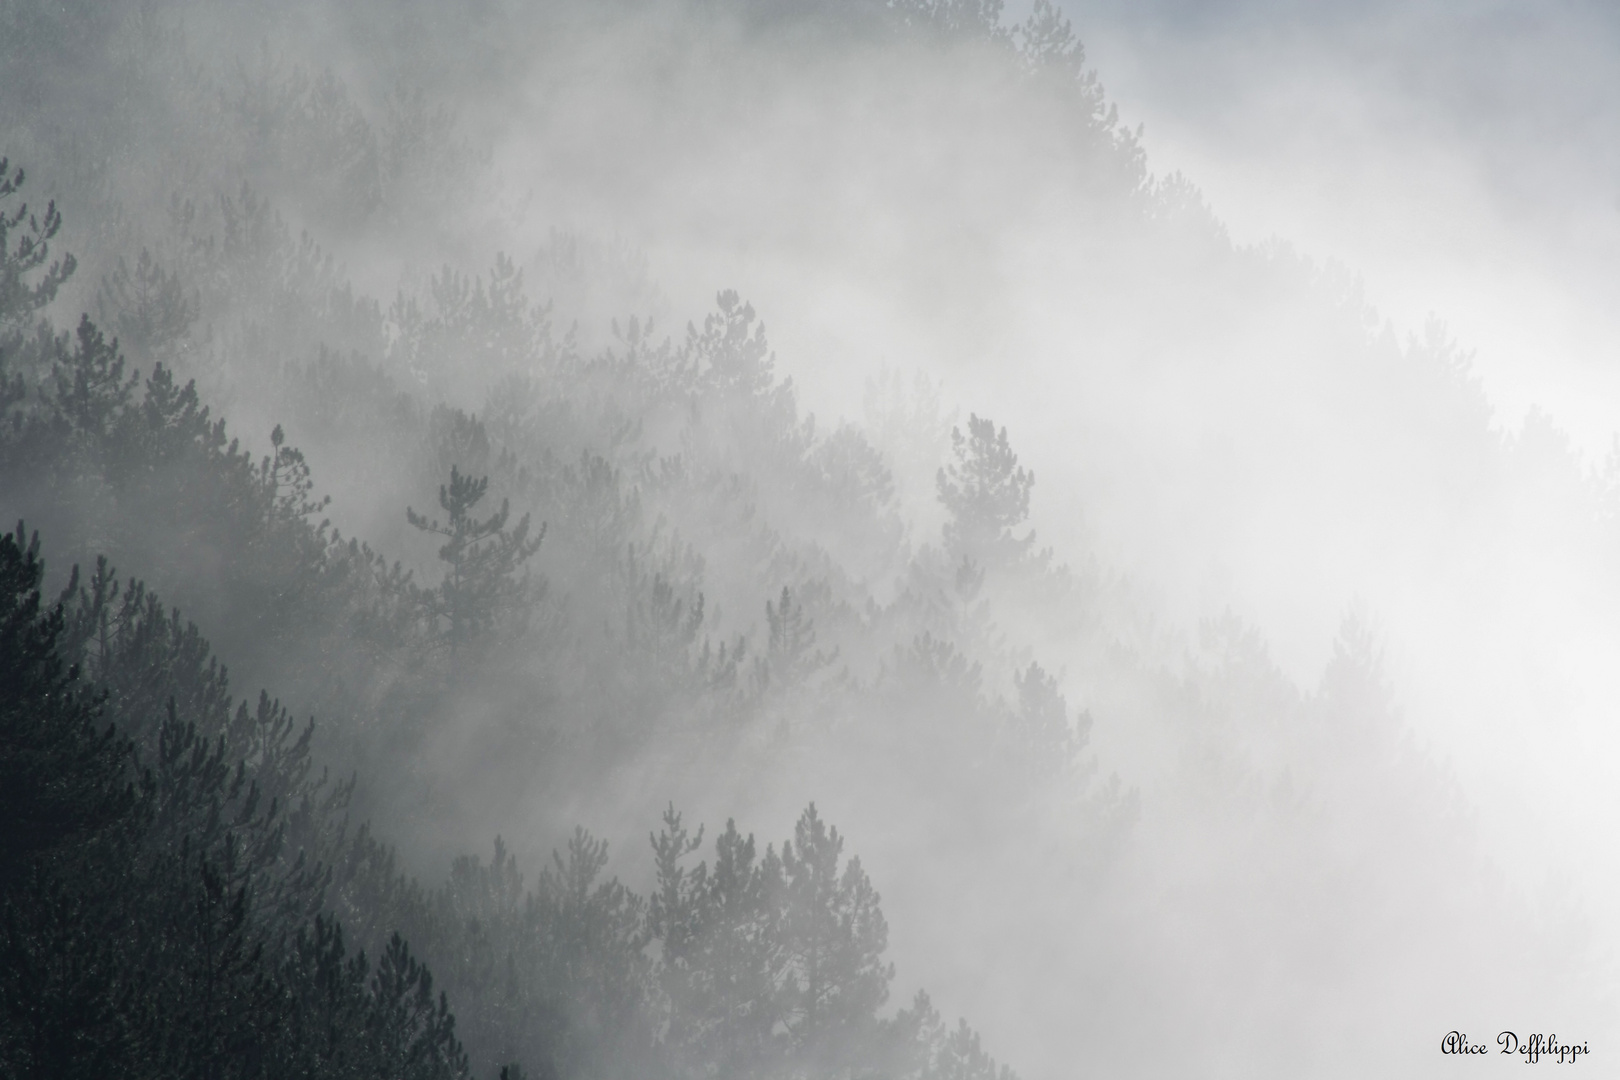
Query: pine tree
[(31, 252), (718, 945), (412, 1036), (148, 307), (590, 963), (484, 579), (986, 493), (835, 935), (1041, 742), (791, 653), (63, 775), (153, 928)]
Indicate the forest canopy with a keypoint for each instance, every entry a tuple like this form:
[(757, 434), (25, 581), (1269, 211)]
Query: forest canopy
[(416, 516)]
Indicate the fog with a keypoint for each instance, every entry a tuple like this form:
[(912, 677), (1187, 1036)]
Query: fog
[(1459, 164), (1296, 313), (1458, 161)]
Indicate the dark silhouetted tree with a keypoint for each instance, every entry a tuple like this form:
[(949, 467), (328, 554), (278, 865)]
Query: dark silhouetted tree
[(63, 774)]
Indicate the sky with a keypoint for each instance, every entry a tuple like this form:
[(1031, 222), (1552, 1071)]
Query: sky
[(1460, 158)]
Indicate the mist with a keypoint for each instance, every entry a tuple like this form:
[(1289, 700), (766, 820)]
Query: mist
[(1142, 473)]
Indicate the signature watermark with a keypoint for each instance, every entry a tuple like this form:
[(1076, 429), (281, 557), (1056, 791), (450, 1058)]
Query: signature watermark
[(1533, 1048)]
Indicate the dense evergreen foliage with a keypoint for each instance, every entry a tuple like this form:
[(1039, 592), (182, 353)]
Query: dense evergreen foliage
[(154, 924)]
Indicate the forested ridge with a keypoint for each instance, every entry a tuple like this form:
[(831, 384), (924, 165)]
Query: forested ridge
[(377, 590)]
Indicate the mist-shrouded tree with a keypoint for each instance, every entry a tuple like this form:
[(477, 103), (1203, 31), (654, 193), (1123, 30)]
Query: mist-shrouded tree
[(677, 919), (150, 924), (774, 966), (483, 923), (484, 580), (91, 392), (25, 249), (964, 18), (791, 655), (489, 325), (738, 950), (718, 935), (148, 307), (1041, 739), (766, 966), (986, 493), (63, 773), (413, 1034), (589, 947), (834, 936)]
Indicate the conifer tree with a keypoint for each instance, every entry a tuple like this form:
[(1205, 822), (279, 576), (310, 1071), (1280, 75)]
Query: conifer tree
[(62, 774), (834, 933), (28, 253), (986, 493), (741, 951), (791, 652), (151, 928), (1041, 741), (148, 307), (484, 578)]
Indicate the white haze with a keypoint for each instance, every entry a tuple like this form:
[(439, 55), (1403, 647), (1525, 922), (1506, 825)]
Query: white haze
[(947, 241), (1178, 437), (1407, 146), (1187, 420), (1461, 161), (1403, 144)]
